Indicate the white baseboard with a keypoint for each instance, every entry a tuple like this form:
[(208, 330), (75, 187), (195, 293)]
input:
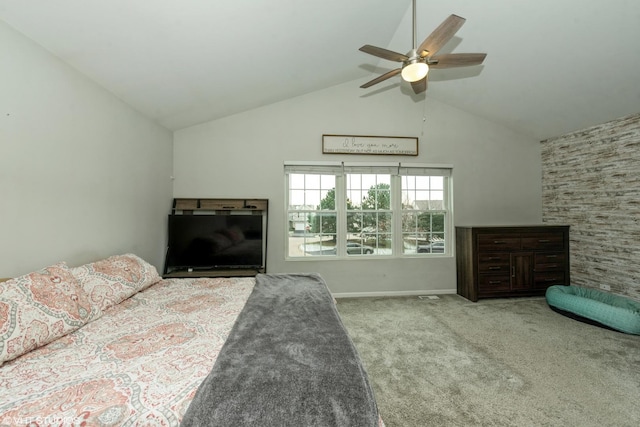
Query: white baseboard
[(393, 293)]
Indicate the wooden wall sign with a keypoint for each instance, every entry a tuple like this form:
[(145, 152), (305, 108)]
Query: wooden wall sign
[(358, 144)]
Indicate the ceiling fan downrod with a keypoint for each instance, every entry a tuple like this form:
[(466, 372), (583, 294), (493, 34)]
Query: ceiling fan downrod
[(414, 68)]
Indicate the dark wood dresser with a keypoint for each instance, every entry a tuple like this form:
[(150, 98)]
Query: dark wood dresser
[(511, 261)]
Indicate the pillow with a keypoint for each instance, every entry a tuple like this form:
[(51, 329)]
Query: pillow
[(40, 307), (112, 280)]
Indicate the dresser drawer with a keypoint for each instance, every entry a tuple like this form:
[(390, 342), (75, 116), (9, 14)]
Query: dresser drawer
[(543, 241), (542, 280), (490, 283), (497, 242), (494, 257), (494, 262), (549, 261)]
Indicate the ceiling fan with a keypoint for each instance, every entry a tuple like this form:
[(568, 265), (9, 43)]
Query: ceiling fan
[(416, 63)]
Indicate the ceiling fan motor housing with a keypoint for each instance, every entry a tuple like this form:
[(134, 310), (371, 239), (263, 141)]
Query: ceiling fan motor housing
[(415, 68)]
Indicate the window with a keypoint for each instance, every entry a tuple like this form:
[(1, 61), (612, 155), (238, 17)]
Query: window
[(312, 214), (369, 214), (353, 210)]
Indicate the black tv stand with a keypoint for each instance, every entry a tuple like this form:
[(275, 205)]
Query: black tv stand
[(233, 272)]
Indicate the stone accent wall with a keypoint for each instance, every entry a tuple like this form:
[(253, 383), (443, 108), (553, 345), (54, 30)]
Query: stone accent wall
[(591, 181)]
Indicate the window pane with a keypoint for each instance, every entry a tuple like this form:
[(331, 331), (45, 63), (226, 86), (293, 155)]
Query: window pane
[(312, 234), (354, 223), (409, 222), (296, 181), (369, 191), (437, 182), (423, 216), (327, 181), (409, 182), (423, 181), (323, 223), (328, 201), (409, 199), (298, 222), (383, 199), (437, 200), (354, 199), (296, 198), (354, 180), (312, 181), (384, 222), (312, 198), (422, 199)]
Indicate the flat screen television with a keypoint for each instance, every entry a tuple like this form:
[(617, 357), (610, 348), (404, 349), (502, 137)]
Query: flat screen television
[(215, 242)]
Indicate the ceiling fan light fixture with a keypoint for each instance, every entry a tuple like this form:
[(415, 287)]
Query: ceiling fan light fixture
[(415, 71)]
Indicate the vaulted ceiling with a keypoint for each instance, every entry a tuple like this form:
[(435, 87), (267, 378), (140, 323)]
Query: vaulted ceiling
[(552, 66)]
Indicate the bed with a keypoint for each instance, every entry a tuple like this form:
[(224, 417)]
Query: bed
[(110, 343)]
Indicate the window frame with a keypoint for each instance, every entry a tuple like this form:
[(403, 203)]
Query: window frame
[(396, 171)]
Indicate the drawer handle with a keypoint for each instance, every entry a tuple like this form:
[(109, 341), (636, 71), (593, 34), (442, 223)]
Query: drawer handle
[(544, 241), (494, 268), (551, 280), (493, 258), (552, 256), (495, 282), (499, 242)]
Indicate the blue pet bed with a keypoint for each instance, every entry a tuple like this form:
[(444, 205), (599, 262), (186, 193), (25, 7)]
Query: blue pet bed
[(596, 307)]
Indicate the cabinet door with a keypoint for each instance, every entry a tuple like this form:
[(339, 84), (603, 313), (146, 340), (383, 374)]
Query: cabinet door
[(521, 270)]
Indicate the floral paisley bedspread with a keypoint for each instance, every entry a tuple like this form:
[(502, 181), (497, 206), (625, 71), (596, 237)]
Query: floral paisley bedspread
[(139, 364)]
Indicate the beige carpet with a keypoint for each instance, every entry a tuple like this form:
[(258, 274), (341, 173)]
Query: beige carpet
[(498, 362)]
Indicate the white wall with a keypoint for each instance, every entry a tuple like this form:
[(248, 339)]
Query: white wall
[(82, 175), (496, 172)]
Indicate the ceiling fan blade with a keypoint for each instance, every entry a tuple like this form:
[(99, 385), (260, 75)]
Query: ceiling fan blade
[(383, 53), (419, 86), (457, 60), (441, 35), (381, 78)]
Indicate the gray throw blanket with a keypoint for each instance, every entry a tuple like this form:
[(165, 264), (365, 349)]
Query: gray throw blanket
[(288, 361)]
